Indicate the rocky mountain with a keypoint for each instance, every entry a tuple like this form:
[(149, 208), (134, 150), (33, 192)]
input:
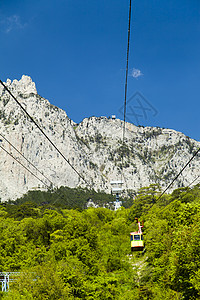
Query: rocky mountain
[(93, 148)]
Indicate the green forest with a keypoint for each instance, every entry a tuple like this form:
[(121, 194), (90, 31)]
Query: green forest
[(59, 249)]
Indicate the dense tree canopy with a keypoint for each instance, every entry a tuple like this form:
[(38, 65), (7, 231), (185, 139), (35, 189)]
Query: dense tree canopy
[(63, 253)]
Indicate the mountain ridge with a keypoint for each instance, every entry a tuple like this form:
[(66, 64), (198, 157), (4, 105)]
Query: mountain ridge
[(93, 147)]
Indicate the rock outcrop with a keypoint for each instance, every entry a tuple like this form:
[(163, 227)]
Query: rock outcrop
[(93, 148)]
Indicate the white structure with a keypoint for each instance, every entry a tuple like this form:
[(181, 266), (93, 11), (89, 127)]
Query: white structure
[(116, 187), (6, 278)]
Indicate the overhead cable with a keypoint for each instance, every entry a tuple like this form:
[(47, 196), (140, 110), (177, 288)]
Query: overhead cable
[(126, 84), (127, 64), (27, 159), (49, 187), (41, 130), (179, 173), (193, 181), (24, 167)]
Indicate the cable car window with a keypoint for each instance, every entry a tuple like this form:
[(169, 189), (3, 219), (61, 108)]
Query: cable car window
[(142, 237), (136, 237), (131, 237)]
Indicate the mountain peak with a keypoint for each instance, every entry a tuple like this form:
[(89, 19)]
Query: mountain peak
[(94, 148), (25, 85)]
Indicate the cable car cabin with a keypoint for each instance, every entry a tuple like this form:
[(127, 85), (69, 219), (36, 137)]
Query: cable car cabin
[(137, 243)]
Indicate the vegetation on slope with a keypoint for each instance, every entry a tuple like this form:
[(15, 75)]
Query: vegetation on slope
[(71, 198), (63, 253)]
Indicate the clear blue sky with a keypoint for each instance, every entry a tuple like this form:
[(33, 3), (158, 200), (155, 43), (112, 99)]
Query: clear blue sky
[(75, 51)]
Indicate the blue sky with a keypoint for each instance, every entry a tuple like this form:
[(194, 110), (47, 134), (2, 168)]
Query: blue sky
[(75, 52)]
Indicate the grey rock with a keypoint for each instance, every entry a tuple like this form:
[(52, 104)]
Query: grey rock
[(93, 148)]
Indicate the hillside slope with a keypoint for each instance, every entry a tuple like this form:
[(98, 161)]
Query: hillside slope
[(93, 147)]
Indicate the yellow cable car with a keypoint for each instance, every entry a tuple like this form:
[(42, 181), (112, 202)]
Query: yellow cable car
[(137, 242)]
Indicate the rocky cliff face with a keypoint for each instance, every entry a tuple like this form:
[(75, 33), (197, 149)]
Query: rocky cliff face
[(93, 147)]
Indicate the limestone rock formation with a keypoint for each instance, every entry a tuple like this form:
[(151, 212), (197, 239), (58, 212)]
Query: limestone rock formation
[(93, 148)]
